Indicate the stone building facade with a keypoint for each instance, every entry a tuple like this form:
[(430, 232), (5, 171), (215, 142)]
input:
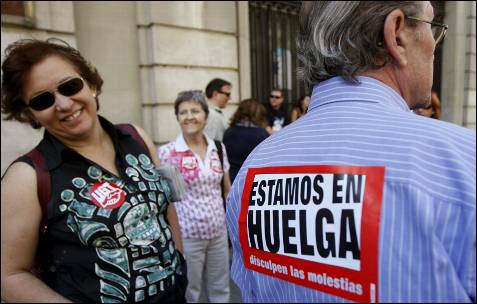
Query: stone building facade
[(148, 51)]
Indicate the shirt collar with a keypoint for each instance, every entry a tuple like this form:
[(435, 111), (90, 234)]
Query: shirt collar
[(181, 145), (366, 89), (57, 151), (215, 108)]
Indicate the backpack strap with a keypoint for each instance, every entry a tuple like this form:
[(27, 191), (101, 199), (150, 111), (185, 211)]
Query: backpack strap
[(218, 144), (129, 129), (43, 184)]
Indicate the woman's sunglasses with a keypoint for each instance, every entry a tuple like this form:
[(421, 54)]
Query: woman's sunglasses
[(47, 99)]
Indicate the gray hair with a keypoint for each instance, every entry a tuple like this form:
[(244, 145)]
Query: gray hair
[(191, 95), (341, 38)]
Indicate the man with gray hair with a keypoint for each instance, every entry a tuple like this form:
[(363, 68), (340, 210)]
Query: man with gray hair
[(361, 199)]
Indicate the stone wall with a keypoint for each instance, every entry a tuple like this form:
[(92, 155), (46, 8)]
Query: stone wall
[(51, 18), (470, 76), (107, 36), (183, 45)]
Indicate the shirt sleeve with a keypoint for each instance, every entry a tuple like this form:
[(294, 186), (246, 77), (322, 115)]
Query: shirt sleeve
[(470, 263), (458, 241)]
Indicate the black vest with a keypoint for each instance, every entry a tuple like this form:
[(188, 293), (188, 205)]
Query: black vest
[(108, 238)]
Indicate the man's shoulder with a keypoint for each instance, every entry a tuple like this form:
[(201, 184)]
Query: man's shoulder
[(439, 130), (214, 115)]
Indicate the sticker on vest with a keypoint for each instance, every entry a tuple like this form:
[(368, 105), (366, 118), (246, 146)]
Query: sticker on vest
[(189, 162), (315, 226), (216, 165), (107, 195)]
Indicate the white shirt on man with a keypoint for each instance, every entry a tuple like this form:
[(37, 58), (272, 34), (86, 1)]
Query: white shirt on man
[(216, 123)]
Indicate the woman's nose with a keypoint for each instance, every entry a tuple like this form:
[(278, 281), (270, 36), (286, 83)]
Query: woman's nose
[(62, 103)]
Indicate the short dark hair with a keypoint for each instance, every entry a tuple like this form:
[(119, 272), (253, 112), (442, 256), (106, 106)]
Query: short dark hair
[(191, 95), (21, 56), (215, 85), (299, 102)]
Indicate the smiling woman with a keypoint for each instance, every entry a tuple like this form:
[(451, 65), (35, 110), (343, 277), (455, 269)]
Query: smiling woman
[(201, 213), (98, 232)]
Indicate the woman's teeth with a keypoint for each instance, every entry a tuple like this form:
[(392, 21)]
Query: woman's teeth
[(73, 116)]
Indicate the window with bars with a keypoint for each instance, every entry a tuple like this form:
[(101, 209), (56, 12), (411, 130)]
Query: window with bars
[(18, 12), (14, 8), (273, 32)]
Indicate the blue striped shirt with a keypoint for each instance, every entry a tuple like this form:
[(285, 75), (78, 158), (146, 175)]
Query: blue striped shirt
[(427, 231)]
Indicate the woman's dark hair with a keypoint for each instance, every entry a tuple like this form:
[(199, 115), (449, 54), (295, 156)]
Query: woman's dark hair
[(21, 56), (299, 103), (252, 111)]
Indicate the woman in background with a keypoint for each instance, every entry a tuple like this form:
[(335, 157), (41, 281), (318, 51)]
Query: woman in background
[(433, 110), (300, 108), (201, 213), (246, 131)]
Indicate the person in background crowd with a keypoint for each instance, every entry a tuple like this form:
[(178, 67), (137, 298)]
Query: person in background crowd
[(247, 130), (433, 109), (218, 92), (300, 108), (276, 112), (360, 200), (201, 213), (109, 228)]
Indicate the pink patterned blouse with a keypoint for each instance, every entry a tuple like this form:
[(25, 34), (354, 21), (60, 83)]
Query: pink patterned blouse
[(201, 213)]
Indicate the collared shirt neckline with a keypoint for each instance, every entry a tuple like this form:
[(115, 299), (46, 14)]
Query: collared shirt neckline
[(367, 89), (58, 151), (181, 145), (215, 108)]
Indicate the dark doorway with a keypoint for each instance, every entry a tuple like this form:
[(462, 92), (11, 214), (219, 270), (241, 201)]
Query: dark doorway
[(273, 32)]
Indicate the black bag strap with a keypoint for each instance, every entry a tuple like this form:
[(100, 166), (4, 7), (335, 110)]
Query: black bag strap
[(43, 184), (131, 130), (43, 187), (218, 144)]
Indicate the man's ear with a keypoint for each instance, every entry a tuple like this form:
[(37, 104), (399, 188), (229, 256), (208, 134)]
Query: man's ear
[(395, 36)]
